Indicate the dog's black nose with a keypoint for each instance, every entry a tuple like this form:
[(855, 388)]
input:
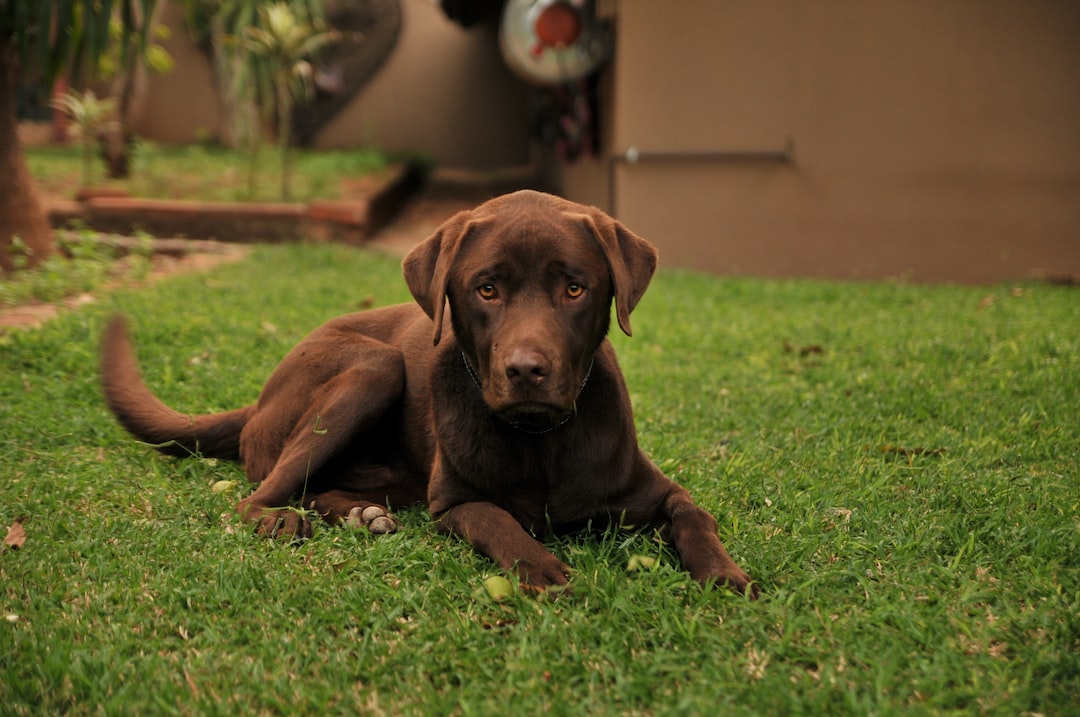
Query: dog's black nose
[(527, 366)]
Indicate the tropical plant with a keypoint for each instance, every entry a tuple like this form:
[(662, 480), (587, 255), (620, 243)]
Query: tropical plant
[(42, 40), (286, 40), (91, 115), (129, 56), (244, 82)]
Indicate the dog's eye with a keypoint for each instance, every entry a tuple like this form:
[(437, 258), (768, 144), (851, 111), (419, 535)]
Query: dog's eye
[(487, 292), (574, 291)]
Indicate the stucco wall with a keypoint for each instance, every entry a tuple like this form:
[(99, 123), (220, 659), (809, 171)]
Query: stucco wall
[(935, 140), (444, 92), (180, 106)]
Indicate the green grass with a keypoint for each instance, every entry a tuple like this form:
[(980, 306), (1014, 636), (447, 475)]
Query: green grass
[(82, 263), (207, 172), (896, 464)]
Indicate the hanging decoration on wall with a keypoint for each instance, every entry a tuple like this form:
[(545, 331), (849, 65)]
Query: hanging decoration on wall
[(566, 119), (553, 42)]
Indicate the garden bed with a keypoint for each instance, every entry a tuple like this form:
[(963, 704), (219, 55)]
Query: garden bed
[(364, 207)]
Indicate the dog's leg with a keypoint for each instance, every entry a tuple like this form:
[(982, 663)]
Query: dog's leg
[(496, 533), (347, 405), (692, 530)]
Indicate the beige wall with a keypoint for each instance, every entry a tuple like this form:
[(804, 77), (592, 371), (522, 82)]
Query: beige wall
[(180, 106), (444, 92), (936, 140)]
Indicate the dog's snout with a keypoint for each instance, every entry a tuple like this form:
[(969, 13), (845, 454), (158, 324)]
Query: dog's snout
[(527, 366)]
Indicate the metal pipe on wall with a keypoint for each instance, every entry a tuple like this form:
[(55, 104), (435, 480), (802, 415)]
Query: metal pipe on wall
[(633, 155)]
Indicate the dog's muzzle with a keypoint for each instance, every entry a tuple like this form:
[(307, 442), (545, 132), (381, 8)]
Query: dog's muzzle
[(536, 417), (529, 415)]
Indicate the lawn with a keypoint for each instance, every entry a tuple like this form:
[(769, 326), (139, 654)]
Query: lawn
[(207, 172), (897, 465)]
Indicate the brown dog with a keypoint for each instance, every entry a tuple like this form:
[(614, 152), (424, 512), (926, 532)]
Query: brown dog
[(508, 413)]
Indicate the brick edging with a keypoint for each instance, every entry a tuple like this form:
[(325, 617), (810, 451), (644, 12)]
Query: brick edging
[(346, 220)]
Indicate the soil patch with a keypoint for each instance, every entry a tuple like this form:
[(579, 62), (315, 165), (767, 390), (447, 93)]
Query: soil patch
[(170, 260)]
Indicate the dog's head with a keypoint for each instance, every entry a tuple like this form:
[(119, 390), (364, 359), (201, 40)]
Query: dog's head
[(529, 278)]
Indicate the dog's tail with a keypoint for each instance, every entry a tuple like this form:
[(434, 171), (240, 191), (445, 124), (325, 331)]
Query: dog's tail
[(148, 419)]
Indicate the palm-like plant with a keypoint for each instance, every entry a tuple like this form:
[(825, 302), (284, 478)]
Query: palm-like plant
[(287, 40), (91, 115), (43, 39), (130, 55)]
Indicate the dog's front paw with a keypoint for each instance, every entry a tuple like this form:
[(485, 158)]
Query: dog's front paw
[(542, 573), (278, 523), (373, 517), (733, 579), (284, 524)]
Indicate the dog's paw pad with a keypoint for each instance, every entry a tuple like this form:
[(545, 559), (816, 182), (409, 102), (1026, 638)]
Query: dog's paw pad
[(373, 517), (383, 525), (372, 512), (360, 516)]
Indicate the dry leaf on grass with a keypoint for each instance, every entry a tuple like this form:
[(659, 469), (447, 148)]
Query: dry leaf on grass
[(16, 535), (802, 350)]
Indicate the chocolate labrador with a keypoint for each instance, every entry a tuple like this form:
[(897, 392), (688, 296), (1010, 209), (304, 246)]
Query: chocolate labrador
[(496, 398)]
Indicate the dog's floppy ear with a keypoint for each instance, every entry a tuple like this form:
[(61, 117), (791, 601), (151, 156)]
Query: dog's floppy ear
[(631, 260), (427, 266)]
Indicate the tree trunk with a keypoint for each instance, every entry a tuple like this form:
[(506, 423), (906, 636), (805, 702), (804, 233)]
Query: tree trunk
[(118, 137), (284, 129), (241, 125), (129, 87), (22, 216)]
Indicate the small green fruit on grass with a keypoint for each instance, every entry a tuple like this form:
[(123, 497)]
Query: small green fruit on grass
[(498, 588), (223, 486)]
